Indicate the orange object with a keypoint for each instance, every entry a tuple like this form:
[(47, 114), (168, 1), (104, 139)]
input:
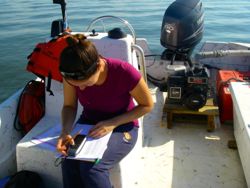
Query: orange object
[(224, 77), (44, 60)]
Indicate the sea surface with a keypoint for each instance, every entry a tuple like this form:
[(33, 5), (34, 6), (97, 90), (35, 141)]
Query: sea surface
[(23, 23)]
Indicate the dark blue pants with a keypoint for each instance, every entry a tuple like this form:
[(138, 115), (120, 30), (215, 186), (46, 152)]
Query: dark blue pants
[(83, 174)]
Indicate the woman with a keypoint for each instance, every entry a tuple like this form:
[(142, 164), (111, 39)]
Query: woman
[(105, 88)]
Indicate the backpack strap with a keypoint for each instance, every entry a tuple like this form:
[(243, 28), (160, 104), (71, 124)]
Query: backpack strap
[(48, 88)]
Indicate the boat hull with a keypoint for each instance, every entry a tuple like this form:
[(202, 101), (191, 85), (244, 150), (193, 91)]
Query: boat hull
[(9, 136)]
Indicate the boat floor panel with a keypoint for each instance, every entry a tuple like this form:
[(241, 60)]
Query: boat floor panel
[(187, 155)]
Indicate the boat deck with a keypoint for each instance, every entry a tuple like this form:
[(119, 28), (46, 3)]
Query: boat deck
[(187, 155)]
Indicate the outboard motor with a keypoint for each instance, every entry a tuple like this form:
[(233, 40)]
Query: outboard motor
[(182, 28), (181, 31), (60, 25)]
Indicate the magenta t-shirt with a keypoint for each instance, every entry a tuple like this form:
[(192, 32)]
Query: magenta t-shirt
[(112, 98)]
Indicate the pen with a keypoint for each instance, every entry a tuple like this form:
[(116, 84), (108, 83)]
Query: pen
[(74, 136), (79, 132)]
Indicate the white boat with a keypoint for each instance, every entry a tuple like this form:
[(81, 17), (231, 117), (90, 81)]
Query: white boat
[(184, 156)]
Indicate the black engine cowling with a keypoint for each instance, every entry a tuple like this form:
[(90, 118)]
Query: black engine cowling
[(182, 26)]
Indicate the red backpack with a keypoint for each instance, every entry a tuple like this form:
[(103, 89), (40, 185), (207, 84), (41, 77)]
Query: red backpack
[(31, 106)]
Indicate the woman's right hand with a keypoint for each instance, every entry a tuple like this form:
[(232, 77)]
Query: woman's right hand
[(63, 142)]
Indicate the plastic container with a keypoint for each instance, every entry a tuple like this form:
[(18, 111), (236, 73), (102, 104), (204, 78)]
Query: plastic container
[(224, 77)]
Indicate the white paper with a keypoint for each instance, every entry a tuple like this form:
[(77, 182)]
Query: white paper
[(93, 148)]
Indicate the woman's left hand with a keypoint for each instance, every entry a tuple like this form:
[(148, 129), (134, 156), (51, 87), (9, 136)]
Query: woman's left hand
[(101, 129)]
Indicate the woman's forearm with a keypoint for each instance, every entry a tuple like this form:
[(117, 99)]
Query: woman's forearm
[(68, 118), (131, 115)]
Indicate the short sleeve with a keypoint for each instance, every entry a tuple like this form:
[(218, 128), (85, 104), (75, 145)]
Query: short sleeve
[(131, 75)]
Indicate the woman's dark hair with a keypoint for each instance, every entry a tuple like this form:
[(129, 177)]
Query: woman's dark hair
[(79, 60)]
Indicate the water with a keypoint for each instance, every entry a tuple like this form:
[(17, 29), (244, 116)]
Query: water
[(23, 23)]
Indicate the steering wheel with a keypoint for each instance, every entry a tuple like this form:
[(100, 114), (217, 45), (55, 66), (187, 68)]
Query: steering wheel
[(125, 22)]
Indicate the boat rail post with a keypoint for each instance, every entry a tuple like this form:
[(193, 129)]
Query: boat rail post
[(141, 60)]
